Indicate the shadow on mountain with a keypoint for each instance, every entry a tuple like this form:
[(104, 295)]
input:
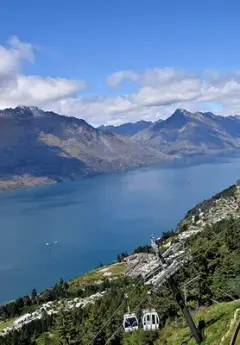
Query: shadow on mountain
[(35, 158)]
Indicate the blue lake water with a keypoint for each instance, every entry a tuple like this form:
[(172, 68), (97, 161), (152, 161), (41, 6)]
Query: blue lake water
[(95, 219)]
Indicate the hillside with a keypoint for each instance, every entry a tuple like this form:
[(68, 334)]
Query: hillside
[(76, 312), (185, 134), (220, 318), (224, 205), (127, 129), (39, 147)]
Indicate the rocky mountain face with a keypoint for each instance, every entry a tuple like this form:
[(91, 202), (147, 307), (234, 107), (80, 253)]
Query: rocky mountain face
[(39, 147), (128, 129), (185, 134)]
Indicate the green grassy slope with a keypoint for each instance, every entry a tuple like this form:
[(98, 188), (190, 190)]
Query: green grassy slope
[(218, 316)]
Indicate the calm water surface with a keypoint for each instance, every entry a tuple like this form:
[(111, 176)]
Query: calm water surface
[(95, 219)]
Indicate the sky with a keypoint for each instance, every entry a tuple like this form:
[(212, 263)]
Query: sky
[(115, 61)]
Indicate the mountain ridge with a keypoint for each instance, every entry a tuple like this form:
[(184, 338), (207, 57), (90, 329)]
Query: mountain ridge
[(128, 128), (39, 147), (187, 133)]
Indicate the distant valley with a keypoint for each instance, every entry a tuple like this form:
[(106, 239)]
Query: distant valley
[(39, 147), (128, 129)]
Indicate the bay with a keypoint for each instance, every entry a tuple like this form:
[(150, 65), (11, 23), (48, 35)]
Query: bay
[(95, 219)]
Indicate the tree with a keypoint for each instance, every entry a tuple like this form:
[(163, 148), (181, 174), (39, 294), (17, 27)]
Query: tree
[(20, 304), (27, 300), (12, 309), (34, 297), (143, 249), (3, 312), (34, 294)]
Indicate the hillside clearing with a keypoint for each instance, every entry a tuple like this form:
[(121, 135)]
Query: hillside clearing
[(97, 275)]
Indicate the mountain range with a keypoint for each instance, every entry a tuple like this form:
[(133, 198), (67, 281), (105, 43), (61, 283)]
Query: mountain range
[(38, 147), (185, 133), (128, 129)]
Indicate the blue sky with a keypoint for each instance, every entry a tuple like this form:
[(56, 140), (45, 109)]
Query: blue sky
[(91, 40)]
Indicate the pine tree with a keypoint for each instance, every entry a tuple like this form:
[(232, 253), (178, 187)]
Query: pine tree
[(34, 294)]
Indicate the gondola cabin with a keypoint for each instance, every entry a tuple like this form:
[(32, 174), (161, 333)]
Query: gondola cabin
[(150, 320), (130, 322)]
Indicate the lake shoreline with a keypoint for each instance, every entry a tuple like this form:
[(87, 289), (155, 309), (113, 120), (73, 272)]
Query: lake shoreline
[(26, 182)]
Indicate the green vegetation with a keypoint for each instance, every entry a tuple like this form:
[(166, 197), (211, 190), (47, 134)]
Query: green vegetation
[(216, 257), (215, 260), (20, 306), (113, 271), (122, 256), (7, 323), (206, 204), (217, 319)]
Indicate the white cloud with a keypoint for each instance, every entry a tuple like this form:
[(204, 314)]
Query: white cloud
[(159, 91), (12, 55), (35, 90), (16, 88), (115, 79), (21, 49)]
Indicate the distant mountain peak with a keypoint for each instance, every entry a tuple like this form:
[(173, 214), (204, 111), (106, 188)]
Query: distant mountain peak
[(181, 111), (127, 129), (41, 146), (28, 107), (209, 113), (178, 119), (143, 121), (22, 112), (35, 111)]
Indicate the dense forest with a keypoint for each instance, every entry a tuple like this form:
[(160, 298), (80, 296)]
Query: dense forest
[(215, 259)]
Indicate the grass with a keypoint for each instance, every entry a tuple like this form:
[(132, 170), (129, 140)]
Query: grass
[(218, 316), (116, 270), (88, 278), (7, 323), (46, 337)]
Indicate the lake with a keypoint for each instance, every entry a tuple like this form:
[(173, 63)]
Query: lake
[(95, 219)]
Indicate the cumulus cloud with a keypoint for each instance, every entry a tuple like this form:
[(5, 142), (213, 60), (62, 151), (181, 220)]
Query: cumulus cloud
[(16, 88), (162, 90), (158, 91), (36, 90), (13, 54)]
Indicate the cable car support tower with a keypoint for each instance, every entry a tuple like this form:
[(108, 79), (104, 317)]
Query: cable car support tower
[(167, 275)]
